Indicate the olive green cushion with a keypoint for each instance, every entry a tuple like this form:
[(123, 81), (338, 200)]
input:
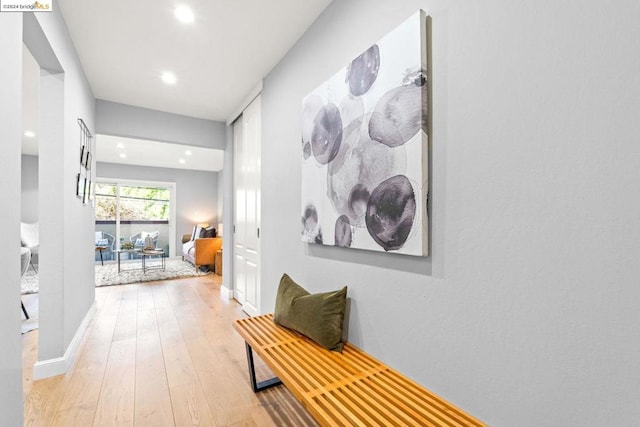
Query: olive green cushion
[(317, 316)]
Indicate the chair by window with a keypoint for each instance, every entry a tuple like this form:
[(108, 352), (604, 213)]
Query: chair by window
[(138, 239), (105, 239)]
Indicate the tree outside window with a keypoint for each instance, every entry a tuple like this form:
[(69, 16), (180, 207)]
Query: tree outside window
[(136, 203)]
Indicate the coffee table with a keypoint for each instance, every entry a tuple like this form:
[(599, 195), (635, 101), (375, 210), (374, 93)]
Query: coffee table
[(144, 254)]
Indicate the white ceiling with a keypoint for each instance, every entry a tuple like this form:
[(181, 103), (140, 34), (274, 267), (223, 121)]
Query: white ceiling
[(125, 46), (157, 154)]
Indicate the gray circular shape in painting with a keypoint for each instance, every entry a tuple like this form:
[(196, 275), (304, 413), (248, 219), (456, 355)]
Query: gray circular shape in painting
[(327, 134), (363, 71), (391, 212), (399, 115), (343, 232)]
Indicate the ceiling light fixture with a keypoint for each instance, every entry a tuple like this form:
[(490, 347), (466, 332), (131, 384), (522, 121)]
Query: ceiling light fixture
[(169, 78), (29, 134), (120, 145), (187, 153), (181, 161), (123, 155), (184, 14)]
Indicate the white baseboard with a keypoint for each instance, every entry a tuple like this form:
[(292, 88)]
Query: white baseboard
[(226, 292), (60, 365)]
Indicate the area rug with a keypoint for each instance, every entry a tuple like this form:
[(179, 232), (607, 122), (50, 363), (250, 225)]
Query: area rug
[(131, 272), (29, 283), (108, 275)]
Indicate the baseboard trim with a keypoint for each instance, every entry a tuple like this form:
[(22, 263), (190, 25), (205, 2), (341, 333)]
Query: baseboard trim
[(60, 365), (226, 292)]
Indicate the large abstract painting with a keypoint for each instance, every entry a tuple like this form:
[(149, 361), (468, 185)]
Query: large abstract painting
[(364, 149)]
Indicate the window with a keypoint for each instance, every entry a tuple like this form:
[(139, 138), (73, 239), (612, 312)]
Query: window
[(128, 210), (136, 203)]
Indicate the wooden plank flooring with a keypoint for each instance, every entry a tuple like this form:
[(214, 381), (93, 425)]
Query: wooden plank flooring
[(158, 354)]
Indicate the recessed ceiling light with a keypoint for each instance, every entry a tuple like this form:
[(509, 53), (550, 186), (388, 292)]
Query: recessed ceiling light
[(29, 134), (187, 153), (184, 14), (120, 145), (123, 155), (181, 161), (169, 78)]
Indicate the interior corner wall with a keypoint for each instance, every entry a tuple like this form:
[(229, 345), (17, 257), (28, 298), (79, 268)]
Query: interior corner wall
[(135, 122), (526, 311), (66, 224), (197, 192), (11, 405)]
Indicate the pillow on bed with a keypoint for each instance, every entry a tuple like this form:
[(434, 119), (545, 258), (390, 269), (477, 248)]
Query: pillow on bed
[(317, 316)]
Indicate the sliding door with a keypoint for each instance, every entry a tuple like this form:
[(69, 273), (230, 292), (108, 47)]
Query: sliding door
[(126, 211), (247, 135)]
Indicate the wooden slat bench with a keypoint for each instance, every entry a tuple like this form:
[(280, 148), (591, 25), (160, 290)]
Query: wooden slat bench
[(343, 389)]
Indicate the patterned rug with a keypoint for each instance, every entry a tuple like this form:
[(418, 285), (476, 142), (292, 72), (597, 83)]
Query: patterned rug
[(131, 272)]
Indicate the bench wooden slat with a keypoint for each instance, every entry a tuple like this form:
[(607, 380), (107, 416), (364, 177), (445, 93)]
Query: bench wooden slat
[(351, 388), (431, 405), (333, 382), (388, 415), (390, 403), (416, 407)]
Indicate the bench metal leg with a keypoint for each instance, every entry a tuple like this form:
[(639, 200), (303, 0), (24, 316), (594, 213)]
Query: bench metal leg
[(24, 310), (262, 385)]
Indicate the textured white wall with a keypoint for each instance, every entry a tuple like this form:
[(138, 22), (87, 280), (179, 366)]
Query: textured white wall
[(11, 137), (228, 209), (66, 225), (29, 189), (526, 311)]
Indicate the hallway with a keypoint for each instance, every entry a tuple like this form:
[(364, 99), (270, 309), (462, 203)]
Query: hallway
[(158, 353)]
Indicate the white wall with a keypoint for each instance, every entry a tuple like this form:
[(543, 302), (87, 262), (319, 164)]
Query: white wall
[(11, 137), (197, 192), (227, 214), (66, 225), (526, 311), (135, 122), (29, 189)]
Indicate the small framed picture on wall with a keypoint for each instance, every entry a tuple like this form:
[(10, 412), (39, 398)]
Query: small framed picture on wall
[(86, 162), (85, 191), (78, 187)]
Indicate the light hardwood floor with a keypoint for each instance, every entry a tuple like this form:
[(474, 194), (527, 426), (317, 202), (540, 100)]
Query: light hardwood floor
[(158, 354)]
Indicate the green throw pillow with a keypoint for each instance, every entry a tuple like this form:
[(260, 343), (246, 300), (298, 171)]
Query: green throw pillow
[(317, 316)]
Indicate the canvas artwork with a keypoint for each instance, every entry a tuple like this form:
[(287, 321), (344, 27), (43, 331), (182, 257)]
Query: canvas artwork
[(364, 149)]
